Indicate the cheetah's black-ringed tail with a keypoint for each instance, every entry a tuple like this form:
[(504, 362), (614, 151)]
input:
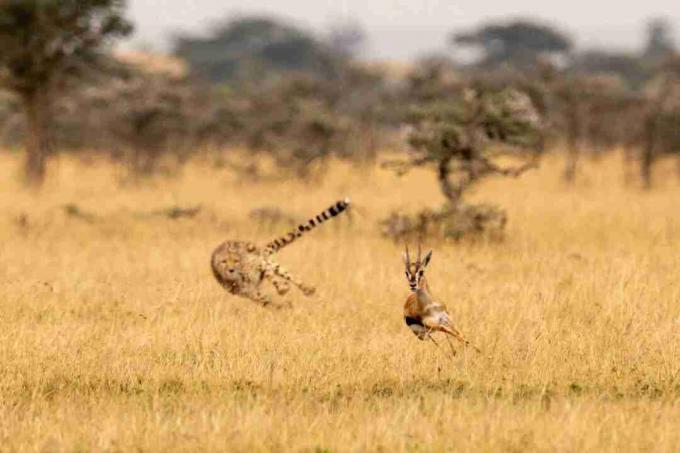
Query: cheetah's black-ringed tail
[(277, 244)]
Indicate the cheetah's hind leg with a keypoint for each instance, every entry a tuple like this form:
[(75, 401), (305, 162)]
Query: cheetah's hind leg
[(285, 275), (262, 299), (282, 286)]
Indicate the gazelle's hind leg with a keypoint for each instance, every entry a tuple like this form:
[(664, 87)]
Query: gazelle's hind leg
[(285, 275), (453, 350), (459, 336)]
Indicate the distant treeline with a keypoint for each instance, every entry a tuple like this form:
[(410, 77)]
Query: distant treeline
[(277, 89)]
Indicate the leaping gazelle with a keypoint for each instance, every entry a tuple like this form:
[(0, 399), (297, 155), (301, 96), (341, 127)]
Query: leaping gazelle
[(422, 313)]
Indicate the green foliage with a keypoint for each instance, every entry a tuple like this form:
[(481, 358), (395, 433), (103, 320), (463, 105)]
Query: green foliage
[(461, 137), (145, 119), (42, 40), (516, 42), (301, 121), (632, 69), (595, 111), (294, 121), (467, 129), (257, 48)]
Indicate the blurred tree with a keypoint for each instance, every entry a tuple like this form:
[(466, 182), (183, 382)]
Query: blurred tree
[(302, 121), (45, 43), (516, 43), (148, 120), (591, 111), (661, 119), (432, 78), (660, 39), (256, 48), (346, 38), (629, 67)]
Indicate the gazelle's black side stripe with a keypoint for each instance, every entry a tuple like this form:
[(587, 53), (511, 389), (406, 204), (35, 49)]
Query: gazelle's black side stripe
[(412, 321), (277, 244)]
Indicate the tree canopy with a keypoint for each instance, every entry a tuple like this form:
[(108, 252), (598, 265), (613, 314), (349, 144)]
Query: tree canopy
[(43, 40), (515, 42), (256, 48), (660, 39)]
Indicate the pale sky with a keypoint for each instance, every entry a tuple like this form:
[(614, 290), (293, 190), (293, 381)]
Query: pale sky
[(403, 29)]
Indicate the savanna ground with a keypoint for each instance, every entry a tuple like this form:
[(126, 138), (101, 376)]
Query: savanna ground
[(115, 337)]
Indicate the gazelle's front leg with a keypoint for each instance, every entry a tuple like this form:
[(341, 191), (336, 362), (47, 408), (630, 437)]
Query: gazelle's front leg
[(285, 275)]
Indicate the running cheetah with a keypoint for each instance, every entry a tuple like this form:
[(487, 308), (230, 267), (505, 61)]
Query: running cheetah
[(240, 267)]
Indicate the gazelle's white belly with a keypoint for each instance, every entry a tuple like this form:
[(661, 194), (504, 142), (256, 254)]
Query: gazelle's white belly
[(418, 330), (416, 327)]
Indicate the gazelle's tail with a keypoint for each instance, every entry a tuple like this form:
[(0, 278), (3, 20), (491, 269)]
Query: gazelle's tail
[(277, 244)]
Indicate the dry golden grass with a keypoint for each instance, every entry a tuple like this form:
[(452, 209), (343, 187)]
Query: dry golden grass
[(114, 336)]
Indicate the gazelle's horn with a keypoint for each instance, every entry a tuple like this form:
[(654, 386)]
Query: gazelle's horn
[(419, 250), (407, 258)]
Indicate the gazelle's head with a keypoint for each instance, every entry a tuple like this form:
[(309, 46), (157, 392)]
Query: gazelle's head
[(415, 271)]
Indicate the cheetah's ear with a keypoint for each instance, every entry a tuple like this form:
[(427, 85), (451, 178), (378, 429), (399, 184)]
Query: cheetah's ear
[(427, 258)]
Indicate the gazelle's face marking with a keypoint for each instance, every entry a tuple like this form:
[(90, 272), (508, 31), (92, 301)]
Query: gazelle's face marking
[(415, 272)]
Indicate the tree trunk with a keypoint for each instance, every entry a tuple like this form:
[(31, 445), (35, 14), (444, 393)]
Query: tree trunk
[(648, 150), (574, 140), (38, 143), (452, 194), (573, 154), (628, 164)]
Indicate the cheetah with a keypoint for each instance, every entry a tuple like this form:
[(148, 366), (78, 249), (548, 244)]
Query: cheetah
[(241, 266)]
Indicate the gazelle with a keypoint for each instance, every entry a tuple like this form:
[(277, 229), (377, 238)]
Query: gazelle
[(422, 313)]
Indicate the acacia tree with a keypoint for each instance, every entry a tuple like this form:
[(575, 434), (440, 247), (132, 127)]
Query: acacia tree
[(463, 139), (515, 42), (43, 45), (460, 139), (257, 48)]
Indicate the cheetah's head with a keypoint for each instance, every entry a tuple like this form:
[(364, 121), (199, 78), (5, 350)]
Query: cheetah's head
[(229, 274)]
